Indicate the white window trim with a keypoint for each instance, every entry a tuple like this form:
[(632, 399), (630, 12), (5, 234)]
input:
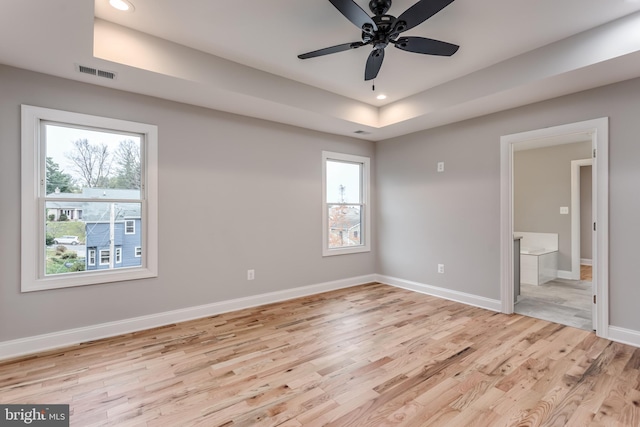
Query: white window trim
[(108, 257), (32, 205), (137, 251), (119, 255), (365, 228), (91, 255), (126, 221)]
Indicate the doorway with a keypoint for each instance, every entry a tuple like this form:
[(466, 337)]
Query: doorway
[(597, 132), (547, 205)]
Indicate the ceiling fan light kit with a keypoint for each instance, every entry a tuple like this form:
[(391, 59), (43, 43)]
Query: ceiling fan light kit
[(382, 29)]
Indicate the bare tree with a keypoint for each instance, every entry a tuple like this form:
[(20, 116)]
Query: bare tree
[(127, 158), (92, 162)]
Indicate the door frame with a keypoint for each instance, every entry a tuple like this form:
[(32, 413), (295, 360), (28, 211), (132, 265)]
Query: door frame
[(576, 233), (576, 222), (598, 130)]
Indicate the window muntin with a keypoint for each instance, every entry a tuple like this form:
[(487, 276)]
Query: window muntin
[(345, 201), (80, 174)]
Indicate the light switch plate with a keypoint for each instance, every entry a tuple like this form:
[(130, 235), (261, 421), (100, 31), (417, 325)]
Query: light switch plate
[(564, 210), (440, 166)]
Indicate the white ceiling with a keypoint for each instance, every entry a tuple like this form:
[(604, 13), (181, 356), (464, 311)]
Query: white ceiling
[(241, 56)]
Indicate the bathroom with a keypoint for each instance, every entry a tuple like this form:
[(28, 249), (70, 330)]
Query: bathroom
[(552, 219)]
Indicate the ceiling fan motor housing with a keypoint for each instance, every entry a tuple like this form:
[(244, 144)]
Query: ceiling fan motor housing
[(379, 7)]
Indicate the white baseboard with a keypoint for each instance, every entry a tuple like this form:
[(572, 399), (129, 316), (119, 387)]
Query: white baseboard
[(39, 343), (470, 299), (585, 261), (624, 336)]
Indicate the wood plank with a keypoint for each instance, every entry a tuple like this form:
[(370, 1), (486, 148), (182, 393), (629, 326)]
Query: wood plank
[(371, 355)]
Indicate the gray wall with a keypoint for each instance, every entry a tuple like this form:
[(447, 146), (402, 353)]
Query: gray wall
[(237, 170), (586, 219), (235, 193), (425, 218), (541, 185)]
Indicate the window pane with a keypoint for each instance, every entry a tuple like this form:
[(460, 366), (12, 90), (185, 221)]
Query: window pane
[(344, 226), (343, 182), (89, 161), (74, 240)]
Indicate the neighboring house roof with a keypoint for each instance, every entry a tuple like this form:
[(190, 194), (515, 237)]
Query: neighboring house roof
[(64, 205), (95, 193), (92, 212), (65, 195)]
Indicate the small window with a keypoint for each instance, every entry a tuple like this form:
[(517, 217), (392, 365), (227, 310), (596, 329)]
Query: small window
[(118, 255), (105, 258), (91, 256), (345, 180), (138, 251), (86, 180)]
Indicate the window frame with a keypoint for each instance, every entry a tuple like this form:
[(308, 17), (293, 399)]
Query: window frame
[(33, 182), (126, 226), (365, 224), (118, 254), (101, 257)]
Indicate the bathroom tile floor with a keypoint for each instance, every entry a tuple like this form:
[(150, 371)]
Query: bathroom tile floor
[(567, 302)]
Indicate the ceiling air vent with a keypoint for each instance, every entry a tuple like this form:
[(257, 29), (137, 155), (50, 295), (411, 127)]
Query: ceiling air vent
[(362, 132), (95, 72)]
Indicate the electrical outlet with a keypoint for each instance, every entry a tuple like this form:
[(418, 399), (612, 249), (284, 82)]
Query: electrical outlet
[(251, 274), (441, 268), (440, 166)]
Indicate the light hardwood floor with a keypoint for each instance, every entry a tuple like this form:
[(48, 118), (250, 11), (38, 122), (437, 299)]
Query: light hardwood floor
[(371, 355)]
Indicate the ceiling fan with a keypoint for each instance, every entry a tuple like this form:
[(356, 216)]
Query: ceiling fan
[(382, 29)]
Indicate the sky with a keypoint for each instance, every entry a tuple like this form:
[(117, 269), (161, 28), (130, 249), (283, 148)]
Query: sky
[(342, 173), (60, 141)]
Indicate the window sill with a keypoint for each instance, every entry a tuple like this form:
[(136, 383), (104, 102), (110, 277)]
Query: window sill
[(92, 278), (345, 251)]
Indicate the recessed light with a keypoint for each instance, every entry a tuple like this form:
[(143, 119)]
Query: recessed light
[(381, 96), (123, 5)]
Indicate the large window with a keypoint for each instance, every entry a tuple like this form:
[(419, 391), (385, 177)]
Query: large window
[(345, 180), (89, 189)]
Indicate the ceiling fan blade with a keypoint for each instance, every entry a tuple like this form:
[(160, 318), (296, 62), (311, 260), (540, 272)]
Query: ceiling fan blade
[(426, 46), (374, 62), (356, 14), (332, 49), (420, 12)]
